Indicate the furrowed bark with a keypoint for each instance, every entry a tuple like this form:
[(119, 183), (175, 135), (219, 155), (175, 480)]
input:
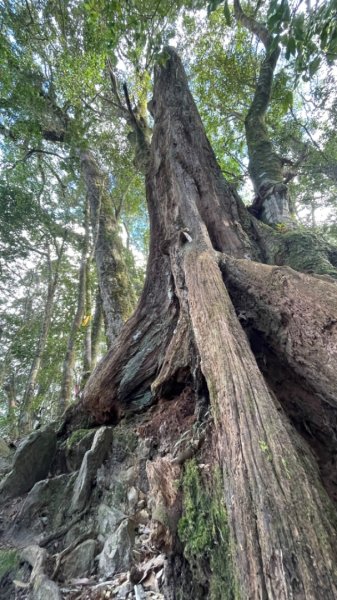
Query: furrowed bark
[(296, 313), (87, 342), (138, 355), (270, 482), (290, 319), (116, 291), (282, 523)]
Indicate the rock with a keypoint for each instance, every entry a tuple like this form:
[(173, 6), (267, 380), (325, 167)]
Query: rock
[(42, 586), (80, 561), (128, 476), (132, 496), (124, 590), (116, 554), (92, 460), (141, 517), (45, 589), (108, 519), (124, 443), (77, 445), (139, 592), (5, 450), (49, 502), (32, 462), (9, 565)]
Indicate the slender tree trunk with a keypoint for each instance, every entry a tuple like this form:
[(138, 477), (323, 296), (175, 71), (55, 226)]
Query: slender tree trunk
[(116, 291), (70, 356), (10, 389), (96, 328), (265, 165), (53, 278), (271, 204), (281, 520), (87, 350)]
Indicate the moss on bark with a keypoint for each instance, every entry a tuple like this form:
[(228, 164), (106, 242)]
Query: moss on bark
[(204, 531)]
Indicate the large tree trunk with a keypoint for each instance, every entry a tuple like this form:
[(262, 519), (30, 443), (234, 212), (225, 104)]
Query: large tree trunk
[(185, 331), (10, 389)]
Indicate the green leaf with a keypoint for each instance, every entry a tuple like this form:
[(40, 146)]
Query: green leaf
[(287, 100), (290, 47), (298, 27)]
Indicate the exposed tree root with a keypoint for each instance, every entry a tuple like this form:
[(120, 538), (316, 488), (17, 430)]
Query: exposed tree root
[(63, 530), (60, 555), (297, 314)]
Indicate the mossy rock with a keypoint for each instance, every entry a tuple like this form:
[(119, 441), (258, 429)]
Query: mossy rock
[(49, 499), (77, 445), (9, 562), (9, 565), (32, 462), (5, 450), (125, 443), (77, 436)]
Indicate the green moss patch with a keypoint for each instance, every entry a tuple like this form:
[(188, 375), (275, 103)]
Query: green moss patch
[(204, 531), (76, 437), (9, 562), (305, 251)]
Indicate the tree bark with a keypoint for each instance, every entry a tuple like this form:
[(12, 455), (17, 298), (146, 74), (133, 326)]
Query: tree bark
[(115, 288), (185, 331)]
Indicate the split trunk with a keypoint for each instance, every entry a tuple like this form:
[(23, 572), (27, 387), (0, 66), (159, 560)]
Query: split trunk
[(255, 341)]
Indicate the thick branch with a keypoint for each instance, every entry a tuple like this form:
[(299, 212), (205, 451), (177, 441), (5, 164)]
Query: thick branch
[(252, 24)]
